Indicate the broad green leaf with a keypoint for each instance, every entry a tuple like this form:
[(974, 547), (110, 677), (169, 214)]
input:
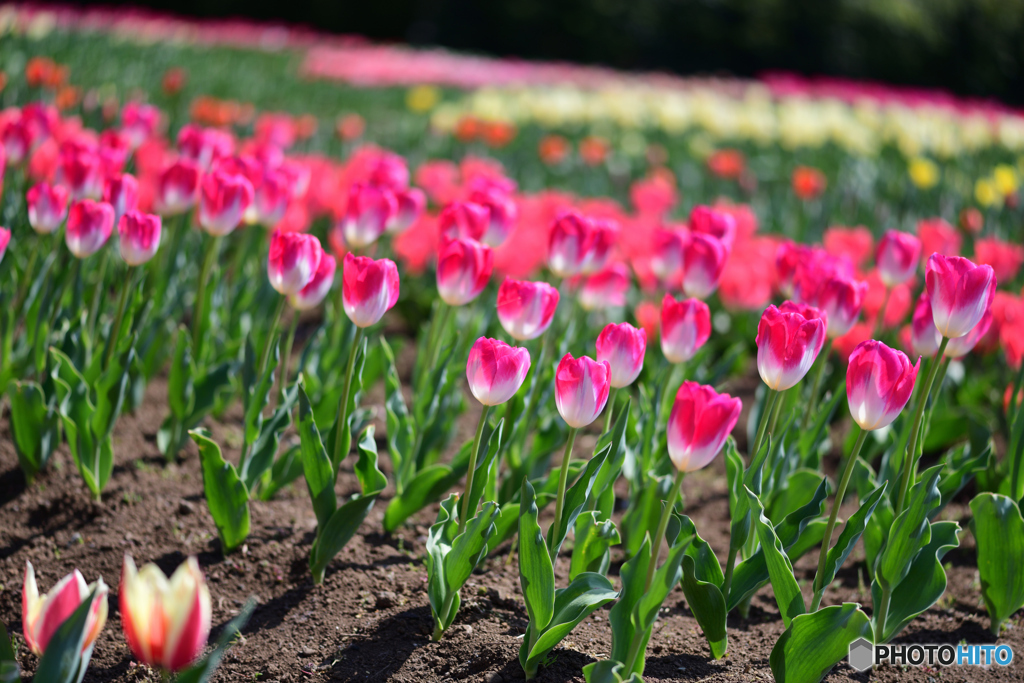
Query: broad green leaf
[(35, 425), (665, 579), (265, 447), (439, 543), (708, 607), (180, 384), (536, 575), (814, 643), (593, 540), (316, 464), (333, 535), (486, 464), (427, 486), (608, 671), (998, 529), (911, 531), (203, 670), (371, 479), (644, 512), (739, 508), (811, 437), (64, 661), (797, 489), (620, 617), (10, 672), (226, 495), (780, 569), (466, 551), (850, 535), (287, 468), (961, 467), (576, 497)]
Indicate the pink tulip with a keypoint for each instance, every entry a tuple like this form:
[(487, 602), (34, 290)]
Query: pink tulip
[(841, 299), (897, 257), (502, 213), (1005, 258), (924, 336), (699, 424), (16, 137), (310, 296), (714, 222), (411, 204), (603, 235), (605, 289), (526, 309), (166, 621), (390, 171), (685, 327), (47, 207), (495, 370), (958, 347), (293, 260), (122, 193), (80, 170), (369, 210), (463, 220), (5, 239), (807, 311), (879, 381), (224, 199), (139, 237), (41, 616), (369, 288), (960, 292), (787, 346), (204, 146), (704, 259), (667, 253), (622, 346), (177, 188), (788, 259), (463, 270), (271, 197), (938, 236), (567, 244), (89, 226), (581, 389), (139, 122)]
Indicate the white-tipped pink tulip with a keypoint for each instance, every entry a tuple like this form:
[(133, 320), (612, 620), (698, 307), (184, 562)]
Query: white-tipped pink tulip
[(495, 370), (960, 292), (700, 422), (315, 291), (581, 389), (139, 237), (369, 288), (89, 227), (879, 381), (293, 260), (623, 347), (526, 309)]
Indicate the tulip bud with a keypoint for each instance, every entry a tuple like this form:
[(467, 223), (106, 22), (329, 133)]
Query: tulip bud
[(581, 389), (526, 309), (605, 289), (897, 257), (841, 299), (463, 220), (310, 296), (122, 193), (177, 188), (598, 246), (879, 381), (166, 621), (463, 270), (47, 207), (293, 260), (89, 226), (502, 214), (369, 288), (787, 345), (714, 222), (685, 327), (224, 199), (925, 338), (622, 346), (5, 239), (80, 170), (16, 136), (139, 122), (139, 237), (958, 347), (495, 370), (271, 198), (411, 204), (699, 424), (567, 244), (704, 259), (204, 146), (667, 253), (41, 616), (960, 293), (369, 210)]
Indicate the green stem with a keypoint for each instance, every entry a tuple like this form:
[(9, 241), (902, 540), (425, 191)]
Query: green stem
[(881, 612), (610, 410), (1018, 414), (762, 424), (445, 314), (819, 373), (97, 293), (563, 476), (198, 322), (115, 331), (275, 323), (730, 566), (26, 278), (289, 344), (343, 405), (910, 453), (880, 320), (464, 516), (529, 407), (826, 542), (659, 535)]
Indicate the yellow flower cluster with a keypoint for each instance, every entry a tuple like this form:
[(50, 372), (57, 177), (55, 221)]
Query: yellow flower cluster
[(995, 188), (738, 111)]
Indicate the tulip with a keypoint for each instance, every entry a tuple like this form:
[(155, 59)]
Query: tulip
[(685, 327), (271, 197), (855, 244), (80, 170), (390, 171), (224, 199), (622, 346), (293, 261), (139, 122), (598, 247), (5, 239), (122, 193), (47, 207), (841, 299), (567, 244), (897, 257), (166, 621), (315, 291), (1004, 257), (463, 270), (411, 204), (925, 338), (177, 188), (710, 221), (89, 226), (139, 235), (787, 346), (938, 236), (495, 370), (879, 382), (704, 259), (369, 210), (605, 289), (369, 288), (960, 346), (502, 214), (700, 421), (16, 137), (42, 616), (204, 146), (526, 309), (960, 293), (667, 253), (463, 220)]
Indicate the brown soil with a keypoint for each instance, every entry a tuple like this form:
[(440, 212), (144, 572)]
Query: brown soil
[(370, 620)]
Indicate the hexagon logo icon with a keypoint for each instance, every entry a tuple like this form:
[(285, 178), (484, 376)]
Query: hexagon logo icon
[(861, 654)]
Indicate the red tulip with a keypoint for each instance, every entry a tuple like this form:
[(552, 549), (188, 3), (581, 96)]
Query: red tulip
[(293, 261), (787, 345), (700, 422), (463, 220), (122, 193), (526, 309), (367, 214), (808, 182), (310, 296), (369, 288), (463, 270), (89, 226), (495, 370), (879, 381), (47, 207), (704, 259), (605, 289), (411, 204), (42, 616), (166, 621), (710, 221), (177, 188), (841, 299), (685, 327), (938, 237), (1005, 258), (623, 347), (960, 293), (897, 257), (139, 235), (581, 389), (223, 201)]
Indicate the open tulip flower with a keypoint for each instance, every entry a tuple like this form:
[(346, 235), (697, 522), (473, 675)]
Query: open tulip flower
[(47, 207), (166, 621), (90, 224), (960, 293), (526, 309), (41, 616), (685, 327)]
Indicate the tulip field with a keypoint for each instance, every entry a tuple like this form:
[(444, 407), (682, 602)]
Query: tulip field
[(323, 360)]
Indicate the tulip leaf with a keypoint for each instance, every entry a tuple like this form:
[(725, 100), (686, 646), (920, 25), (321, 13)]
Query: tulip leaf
[(701, 582), (203, 670), (536, 574), (814, 643), (780, 569), (998, 528), (505, 526), (35, 425), (486, 468), (439, 543), (608, 671), (316, 464), (10, 672), (792, 494), (226, 495), (401, 432), (620, 617), (812, 435), (850, 535), (573, 604), (64, 660), (342, 429), (593, 540), (256, 389), (739, 508), (961, 466), (286, 469), (266, 444), (180, 382), (428, 485), (576, 497), (644, 511), (910, 531)]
